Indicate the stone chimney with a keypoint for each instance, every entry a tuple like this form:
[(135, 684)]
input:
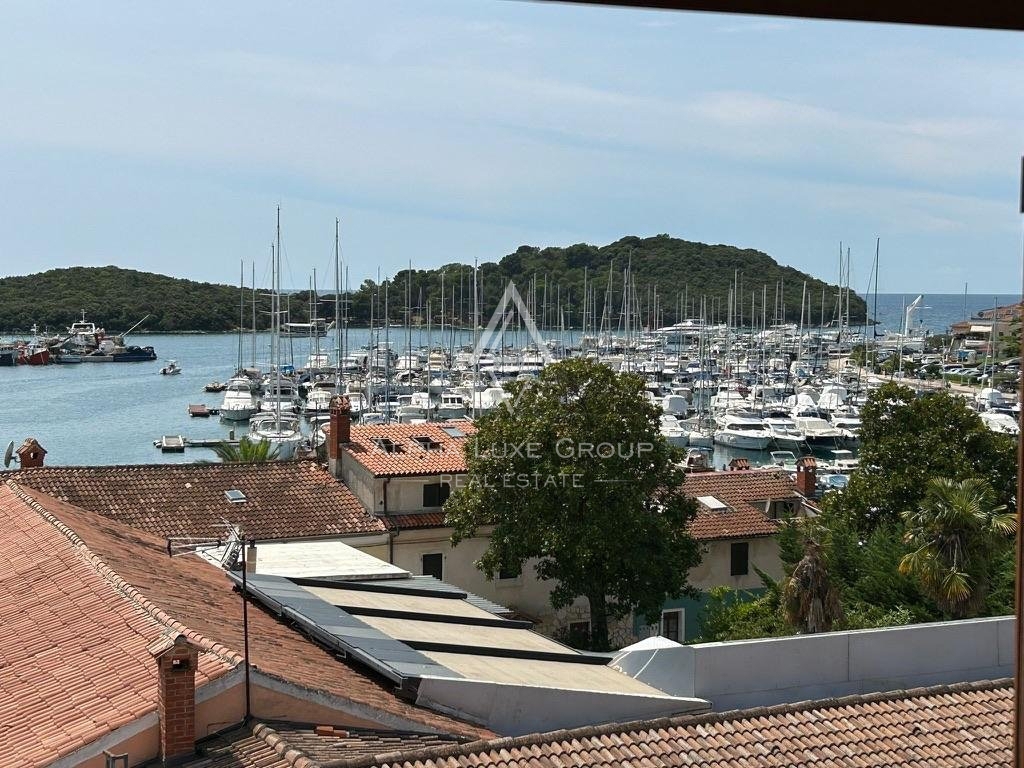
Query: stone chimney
[(176, 660), (30, 454), (807, 476), (738, 464), (341, 431)]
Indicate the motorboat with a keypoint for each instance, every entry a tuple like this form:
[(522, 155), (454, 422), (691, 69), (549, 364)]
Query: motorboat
[(745, 432), (784, 459), (785, 433), (674, 432), (1001, 423), (279, 395), (819, 432), (171, 369), (452, 405), (318, 401), (849, 425), (238, 403)]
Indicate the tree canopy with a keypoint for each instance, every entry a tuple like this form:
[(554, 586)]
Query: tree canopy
[(678, 271), (907, 439), (577, 476)]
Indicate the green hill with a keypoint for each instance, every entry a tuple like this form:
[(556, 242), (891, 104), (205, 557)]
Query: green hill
[(667, 273)]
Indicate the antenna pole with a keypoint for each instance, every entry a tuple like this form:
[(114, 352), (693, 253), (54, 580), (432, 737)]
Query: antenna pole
[(245, 630), (1018, 673)]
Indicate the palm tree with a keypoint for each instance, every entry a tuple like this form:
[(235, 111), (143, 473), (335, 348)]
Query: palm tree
[(809, 599), (246, 452), (955, 532)]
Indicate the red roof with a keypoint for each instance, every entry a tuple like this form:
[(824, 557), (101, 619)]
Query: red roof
[(74, 664), (948, 726), (744, 492), (284, 499), (415, 520), (439, 451), (201, 597)]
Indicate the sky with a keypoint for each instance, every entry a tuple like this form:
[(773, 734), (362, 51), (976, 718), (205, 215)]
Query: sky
[(162, 136)]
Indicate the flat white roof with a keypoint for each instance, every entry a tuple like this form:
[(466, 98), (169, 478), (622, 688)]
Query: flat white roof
[(316, 559)]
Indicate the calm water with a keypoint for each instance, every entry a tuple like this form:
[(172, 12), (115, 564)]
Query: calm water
[(110, 413)]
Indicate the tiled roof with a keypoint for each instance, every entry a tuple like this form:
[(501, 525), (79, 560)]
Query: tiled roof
[(410, 458), (956, 725), (201, 596), (745, 493), (969, 724), (415, 520), (74, 663), (284, 499), (281, 745)]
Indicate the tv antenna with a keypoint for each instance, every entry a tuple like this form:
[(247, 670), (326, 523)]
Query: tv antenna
[(9, 454)]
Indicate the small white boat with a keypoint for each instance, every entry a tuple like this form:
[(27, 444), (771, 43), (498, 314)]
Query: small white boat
[(171, 369), (674, 432)]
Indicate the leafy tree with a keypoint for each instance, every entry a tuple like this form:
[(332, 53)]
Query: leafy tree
[(955, 530), (578, 476), (906, 440), (810, 599), (731, 614), (246, 452)]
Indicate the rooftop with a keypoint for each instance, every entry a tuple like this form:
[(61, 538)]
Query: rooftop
[(202, 598), (732, 503), (74, 664), (283, 499), (389, 450), (938, 727)]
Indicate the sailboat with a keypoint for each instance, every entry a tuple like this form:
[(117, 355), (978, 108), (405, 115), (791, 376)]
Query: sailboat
[(281, 430), (239, 404)]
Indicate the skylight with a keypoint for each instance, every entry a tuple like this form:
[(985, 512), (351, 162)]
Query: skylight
[(712, 503), (453, 431), (235, 496), (387, 445), (426, 443)]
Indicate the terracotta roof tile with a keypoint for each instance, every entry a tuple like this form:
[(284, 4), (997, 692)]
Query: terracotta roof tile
[(745, 492), (409, 457), (74, 663), (415, 520), (940, 727), (284, 499), (201, 596)]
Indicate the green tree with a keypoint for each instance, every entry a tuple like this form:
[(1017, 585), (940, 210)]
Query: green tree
[(810, 599), (956, 530), (908, 439), (246, 452), (578, 476)]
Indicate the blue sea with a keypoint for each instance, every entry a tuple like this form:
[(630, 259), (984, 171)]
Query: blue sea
[(110, 413)]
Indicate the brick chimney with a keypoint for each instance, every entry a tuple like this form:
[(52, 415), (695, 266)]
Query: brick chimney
[(807, 476), (176, 660), (341, 430), (738, 464), (30, 454)]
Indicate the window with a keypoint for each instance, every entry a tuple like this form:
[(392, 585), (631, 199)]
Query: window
[(387, 445), (579, 634), (427, 443), (453, 431), (738, 559), (432, 565), (510, 572), (436, 494), (672, 625)]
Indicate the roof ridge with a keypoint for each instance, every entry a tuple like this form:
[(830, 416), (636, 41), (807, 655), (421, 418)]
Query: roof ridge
[(293, 755), (511, 742), (111, 576)]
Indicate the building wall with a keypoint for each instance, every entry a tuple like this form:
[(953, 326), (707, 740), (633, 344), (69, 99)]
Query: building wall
[(714, 569)]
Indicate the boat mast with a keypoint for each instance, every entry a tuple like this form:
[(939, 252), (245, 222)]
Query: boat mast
[(337, 305), (241, 310)]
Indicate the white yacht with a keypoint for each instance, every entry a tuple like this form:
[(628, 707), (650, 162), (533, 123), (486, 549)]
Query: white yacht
[(819, 432), (746, 432), (238, 404), (785, 433), (452, 405), (674, 432), (318, 401), (1003, 423), (849, 425), (279, 395)]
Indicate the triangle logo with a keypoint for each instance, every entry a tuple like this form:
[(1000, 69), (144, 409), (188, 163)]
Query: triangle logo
[(509, 307)]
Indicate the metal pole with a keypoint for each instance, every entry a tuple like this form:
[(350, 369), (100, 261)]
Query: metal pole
[(1018, 674), (245, 629)]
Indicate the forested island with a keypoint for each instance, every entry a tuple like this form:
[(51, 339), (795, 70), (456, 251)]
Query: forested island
[(670, 279)]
